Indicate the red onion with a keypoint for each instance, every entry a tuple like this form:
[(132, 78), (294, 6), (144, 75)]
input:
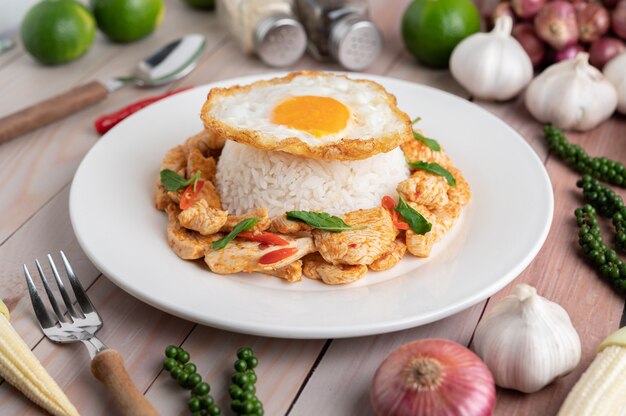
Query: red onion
[(603, 50), (527, 8), (618, 20), (526, 36), (593, 21), (556, 24), (569, 52), (433, 377)]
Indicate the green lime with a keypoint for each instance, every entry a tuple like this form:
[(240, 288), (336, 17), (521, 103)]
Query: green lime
[(201, 4), (57, 31), (128, 20), (432, 28)]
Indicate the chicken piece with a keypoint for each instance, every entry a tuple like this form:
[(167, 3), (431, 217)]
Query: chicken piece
[(187, 244), (208, 142), (421, 245), (207, 193), (202, 218), (282, 225), (243, 256), (390, 258), (361, 246), (262, 225), (425, 188), (161, 197), (460, 193), (197, 162), (316, 268), (448, 214), (415, 150), (175, 159), (291, 272)]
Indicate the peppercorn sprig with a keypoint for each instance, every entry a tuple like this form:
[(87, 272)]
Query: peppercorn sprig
[(242, 391), (177, 363), (600, 168), (608, 204), (596, 251)]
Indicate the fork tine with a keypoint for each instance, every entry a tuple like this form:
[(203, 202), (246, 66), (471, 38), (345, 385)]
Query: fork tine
[(38, 306), (64, 295), (79, 291), (51, 298)]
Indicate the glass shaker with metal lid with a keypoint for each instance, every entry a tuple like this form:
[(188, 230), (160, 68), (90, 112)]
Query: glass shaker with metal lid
[(340, 30), (267, 28)]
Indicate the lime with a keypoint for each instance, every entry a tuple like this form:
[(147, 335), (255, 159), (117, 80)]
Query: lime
[(432, 28), (57, 31), (201, 4), (128, 20)]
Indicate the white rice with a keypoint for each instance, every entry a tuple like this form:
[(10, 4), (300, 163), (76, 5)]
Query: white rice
[(249, 178)]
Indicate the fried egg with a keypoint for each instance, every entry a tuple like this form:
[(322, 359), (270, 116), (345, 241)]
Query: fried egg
[(312, 114)]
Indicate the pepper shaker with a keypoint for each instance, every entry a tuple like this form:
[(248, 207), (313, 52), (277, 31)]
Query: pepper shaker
[(340, 30), (267, 28)]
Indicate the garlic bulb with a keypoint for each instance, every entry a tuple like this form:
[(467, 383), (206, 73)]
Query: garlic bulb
[(492, 66), (527, 341), (571, 95), (615, 71)]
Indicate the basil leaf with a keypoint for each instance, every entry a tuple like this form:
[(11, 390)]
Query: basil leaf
[(321, 221), (416, 221), (435, 168), (243, 225), (172, 181), (432, 144)]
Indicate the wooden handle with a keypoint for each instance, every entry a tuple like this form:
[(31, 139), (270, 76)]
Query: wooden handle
[(50, 110), (108, 367)]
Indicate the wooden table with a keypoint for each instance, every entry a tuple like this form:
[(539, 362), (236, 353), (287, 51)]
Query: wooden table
[(322, 377)]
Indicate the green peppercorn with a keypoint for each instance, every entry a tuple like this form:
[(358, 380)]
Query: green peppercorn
[(201, 389), (183, 357), (175, 372), (194, 404), (190, 368), (244, 353), (241, 365), (171, 351), (252, 362), (169, 363)]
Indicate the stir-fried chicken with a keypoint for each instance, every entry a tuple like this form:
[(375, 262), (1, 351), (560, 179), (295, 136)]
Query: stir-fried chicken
[(291, 272), (175, 159), (196, 161), (360, 246), (415, 150), (315, 267), (244, 256), (425, 188), (282, 225), (187, 244), (460, 193), (202, 218), (262, 225), (442, 219), (209, 142), (390, 258), (161, 198)]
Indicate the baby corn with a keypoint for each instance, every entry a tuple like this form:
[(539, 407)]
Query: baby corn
[(601, 390), (20, 367)]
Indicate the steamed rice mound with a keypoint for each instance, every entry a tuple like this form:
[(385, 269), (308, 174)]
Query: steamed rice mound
[(249, 178)]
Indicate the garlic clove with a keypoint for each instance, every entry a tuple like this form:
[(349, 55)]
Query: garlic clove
[(527, 341)]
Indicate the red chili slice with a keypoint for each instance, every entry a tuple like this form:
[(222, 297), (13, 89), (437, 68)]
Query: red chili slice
[(277, 255), (189, 196), (389, 204), (263, 237)]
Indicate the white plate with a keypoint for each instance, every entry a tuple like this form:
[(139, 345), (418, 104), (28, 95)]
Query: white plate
[(498, 234)]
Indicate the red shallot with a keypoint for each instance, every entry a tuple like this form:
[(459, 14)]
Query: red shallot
[(569, 52), (618, 19), (603, 50), (526, 36), (527, 8), (593, 21), (433, 377), (556, 24)]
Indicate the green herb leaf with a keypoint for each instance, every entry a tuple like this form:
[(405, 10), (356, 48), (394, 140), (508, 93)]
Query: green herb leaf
[(172, 181), (435, 168), (431, 143), (243, 225), (416, 120), (416, 221), (321, 221)]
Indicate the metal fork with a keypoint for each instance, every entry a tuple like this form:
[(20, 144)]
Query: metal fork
[(81, 324)]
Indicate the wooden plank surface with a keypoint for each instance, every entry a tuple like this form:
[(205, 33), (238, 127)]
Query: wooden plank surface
[(297, 377)]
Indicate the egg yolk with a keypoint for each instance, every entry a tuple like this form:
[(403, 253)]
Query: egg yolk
[(319, 116)]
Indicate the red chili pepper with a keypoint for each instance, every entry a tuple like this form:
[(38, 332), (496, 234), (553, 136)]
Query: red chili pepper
[(107, 121), (264, 237), (277, 255), (389, 204), (189, 196)]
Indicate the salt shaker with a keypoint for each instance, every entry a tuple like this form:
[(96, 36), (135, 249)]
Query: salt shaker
[(340, 30), (267, 28)]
